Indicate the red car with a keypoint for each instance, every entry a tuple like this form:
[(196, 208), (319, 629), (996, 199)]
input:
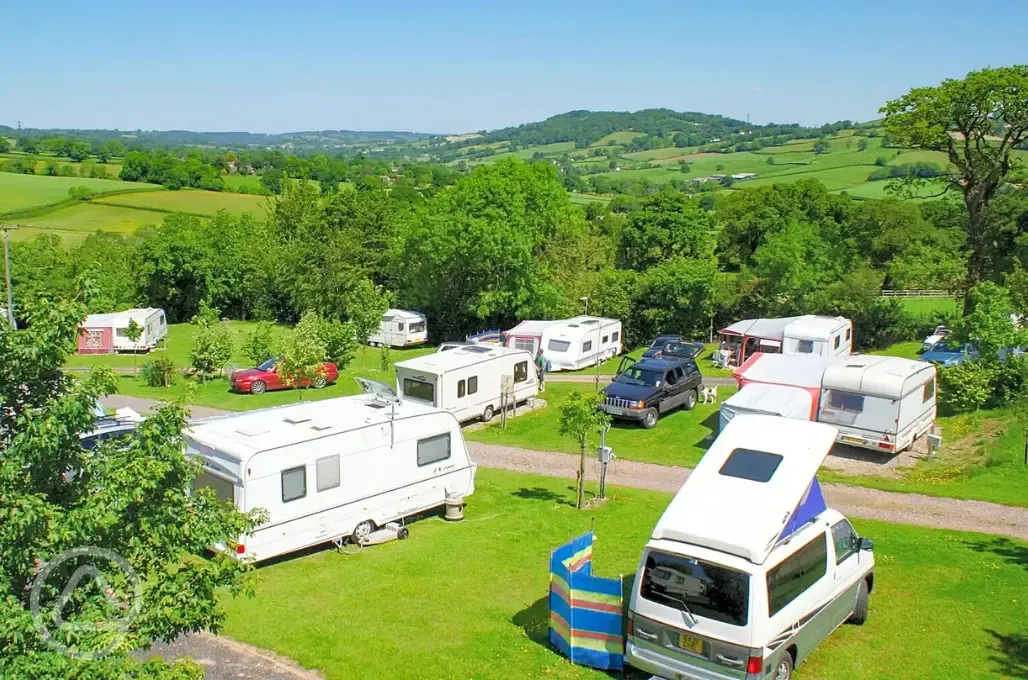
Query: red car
[(265, 377)]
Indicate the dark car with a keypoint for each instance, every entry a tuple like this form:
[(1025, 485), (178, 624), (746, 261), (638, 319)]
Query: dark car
[(673, 346), (647, 389), (266, 377)]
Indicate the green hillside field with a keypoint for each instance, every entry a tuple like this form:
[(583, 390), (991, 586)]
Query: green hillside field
[(22, 192)]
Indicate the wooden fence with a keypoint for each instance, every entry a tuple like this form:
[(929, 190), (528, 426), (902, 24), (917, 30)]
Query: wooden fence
[(915, 293)]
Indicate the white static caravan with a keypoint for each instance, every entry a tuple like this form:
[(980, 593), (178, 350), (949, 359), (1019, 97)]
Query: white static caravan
[(106, 333), (569, 344), (467, 381), (400, 328), (877, 402), (330, 470)]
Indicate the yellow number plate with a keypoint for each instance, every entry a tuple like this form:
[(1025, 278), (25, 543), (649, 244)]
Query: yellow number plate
[(852, 440), (690, 643)]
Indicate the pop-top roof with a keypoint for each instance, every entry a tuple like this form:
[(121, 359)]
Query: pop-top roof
[(797, 370), (719, 508), (240, 435), (877, 376)]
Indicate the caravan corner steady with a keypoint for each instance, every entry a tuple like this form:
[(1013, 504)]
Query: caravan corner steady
[(748, 571), (331, 470)]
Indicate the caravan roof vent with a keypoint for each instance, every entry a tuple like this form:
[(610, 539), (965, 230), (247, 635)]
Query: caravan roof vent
[(380, 393), (253, 430), (590, 321), (320, 427), (477, 349), (296, 421)]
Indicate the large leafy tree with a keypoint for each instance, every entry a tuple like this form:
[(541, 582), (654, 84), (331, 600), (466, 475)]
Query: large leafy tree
[(128, 498), (665, 225), (977, 122)]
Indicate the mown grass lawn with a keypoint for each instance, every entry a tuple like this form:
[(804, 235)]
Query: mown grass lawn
[(680, 438), (610, 366), (468, 600)]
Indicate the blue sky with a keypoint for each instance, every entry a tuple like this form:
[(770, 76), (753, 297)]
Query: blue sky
[(464, 66)]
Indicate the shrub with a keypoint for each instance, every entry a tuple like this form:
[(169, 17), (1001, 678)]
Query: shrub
[(1010, 383), (966, 387), (158, 372), (259, 346), (384, 358), (212, 346), (80, 192), (340, 342)]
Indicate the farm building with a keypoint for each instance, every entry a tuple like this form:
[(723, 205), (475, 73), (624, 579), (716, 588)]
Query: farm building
[(108, 333), (743, 176)]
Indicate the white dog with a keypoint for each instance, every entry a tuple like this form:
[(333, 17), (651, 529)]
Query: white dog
[(709, 395)]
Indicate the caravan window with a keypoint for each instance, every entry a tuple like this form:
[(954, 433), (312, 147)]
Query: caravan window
[(796, 574), (849, 334), (472, 384), (846, 401), (704, 588), (526, 344), (294, 483), (460, 388), (222, 488), (521, 371), (558, 345), (328, 472), (804, 346), (433, 449), (399, 325), (838, 341), (606, 339), (417, 327), (587, 346), (416, 389), (929, 391), (756, 466), (614, 336)]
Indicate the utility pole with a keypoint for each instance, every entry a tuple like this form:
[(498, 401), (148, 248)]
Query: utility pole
[(7, 275)]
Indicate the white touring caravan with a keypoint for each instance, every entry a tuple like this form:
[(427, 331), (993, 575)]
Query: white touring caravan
[(468, 380), (748, 571), (400, 328), (331, 470), (110, 331), (823, 336), (877, 402), (569, 344)]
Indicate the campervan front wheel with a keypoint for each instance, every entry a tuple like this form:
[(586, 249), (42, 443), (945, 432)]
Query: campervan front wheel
[(859, 616), (362, 531), (487, 414), (784, 670)]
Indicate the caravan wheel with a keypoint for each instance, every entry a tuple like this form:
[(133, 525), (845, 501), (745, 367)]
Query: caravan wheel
[(487, 414), (362, 531)]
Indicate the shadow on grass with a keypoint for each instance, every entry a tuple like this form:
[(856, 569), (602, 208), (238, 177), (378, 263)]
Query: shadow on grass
[(539, 493), (1011, 657), (1012, 552), (712, 423), (535, 621)]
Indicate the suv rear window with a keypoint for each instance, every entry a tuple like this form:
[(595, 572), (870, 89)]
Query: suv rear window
[(756, 466), (704, 588)]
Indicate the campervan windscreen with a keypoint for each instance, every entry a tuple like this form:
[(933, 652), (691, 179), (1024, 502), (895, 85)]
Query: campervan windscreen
[(702, 588), (416, 389), (417, 327), (222, 488)]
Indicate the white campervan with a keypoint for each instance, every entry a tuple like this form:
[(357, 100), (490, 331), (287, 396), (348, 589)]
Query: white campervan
[(748, 571), (580, 342), (878, 402), (331, 470), (468, 381), (400, 328)]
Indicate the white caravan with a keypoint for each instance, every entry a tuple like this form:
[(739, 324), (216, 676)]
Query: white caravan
[(151, 319), (569, 344), (400, 328), (748, 571), (823, 336), (876, 402), (777, 400), (331, 470), (468, 381)]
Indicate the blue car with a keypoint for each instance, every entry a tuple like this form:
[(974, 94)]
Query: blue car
[(945, 355)]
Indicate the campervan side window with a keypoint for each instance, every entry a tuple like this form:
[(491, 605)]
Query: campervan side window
[(929, 390), (433, 449), (328, 472), (615, 336), (222, 488), (521, 371), (756, 466), (845, 401), (796, 574), (472, 384), (804, 346), (845, 540), (416, 389), (587, 346), (294, 483), (460, 388), (558, 345)]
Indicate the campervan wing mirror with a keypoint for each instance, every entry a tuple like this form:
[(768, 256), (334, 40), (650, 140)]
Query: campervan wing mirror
[(865, 544)]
